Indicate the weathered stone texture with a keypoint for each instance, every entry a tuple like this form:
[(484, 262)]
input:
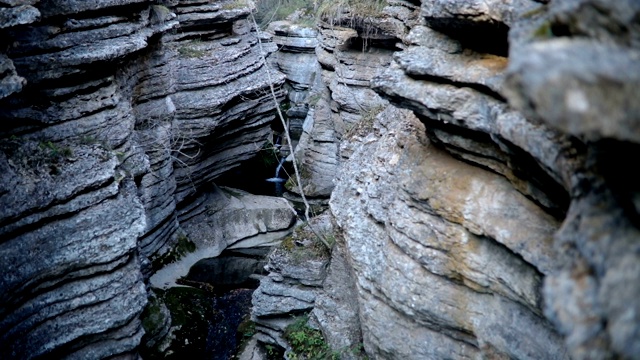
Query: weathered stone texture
[(577, 74), (417, 250), (444, 254), (227, 218), (297, 270), (336, 306), (342, 99), (110, 121), (512, 202)]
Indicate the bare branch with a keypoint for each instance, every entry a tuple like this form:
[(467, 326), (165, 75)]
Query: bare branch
[(286, 132)]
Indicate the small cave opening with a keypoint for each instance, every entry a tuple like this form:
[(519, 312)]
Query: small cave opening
[(373, 44), (488, 37), (263, 174)]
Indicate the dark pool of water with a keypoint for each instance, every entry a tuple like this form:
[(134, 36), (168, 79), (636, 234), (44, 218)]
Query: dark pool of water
[(210, 311)]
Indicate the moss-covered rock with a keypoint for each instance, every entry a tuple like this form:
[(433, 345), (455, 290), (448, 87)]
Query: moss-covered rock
[(156, 321)]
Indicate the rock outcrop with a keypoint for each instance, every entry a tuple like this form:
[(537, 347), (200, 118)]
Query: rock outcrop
[(476, 154), (296, 59), (349, 58), (227, 219), (579, 75), (439, 256), (115, 116), (494, 219), (297, 269)]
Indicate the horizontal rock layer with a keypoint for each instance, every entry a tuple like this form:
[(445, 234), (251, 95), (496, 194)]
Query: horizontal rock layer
[(297, 269), (340, 101)]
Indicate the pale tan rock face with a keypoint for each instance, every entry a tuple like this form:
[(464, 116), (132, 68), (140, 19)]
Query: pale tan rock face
[(432, 242), (485, 204)]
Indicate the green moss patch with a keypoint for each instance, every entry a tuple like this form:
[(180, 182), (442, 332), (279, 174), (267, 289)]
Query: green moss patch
[(303, 244), (306, 342)]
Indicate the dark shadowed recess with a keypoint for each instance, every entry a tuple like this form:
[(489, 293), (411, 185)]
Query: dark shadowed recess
[(610, 159), (233, 269), (252, 174), (208, 311), (372, 44), (484, 37)]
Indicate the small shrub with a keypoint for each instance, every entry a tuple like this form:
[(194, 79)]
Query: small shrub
[(50, 156), (160, 14), (268, 156), (533, 13), (274, 352), (192, 49), (292, 183), (306, 342), (152, 316), (544, 31), (55, 152), (89, 140), (313, 99), (191, 52), (313, 247), (238, 4), (307, 21), (352, 12), (247, 328), (365, 125)]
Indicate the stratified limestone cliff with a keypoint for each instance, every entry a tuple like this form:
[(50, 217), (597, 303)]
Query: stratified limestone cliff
[(348, 58), (296, 59), (444, 263), (114, 118), (579, 75), (495, 216)]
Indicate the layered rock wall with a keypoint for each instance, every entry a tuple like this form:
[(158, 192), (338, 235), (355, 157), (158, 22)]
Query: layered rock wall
[(348, 60), (481, 151), (493, 219), (115, 116), (295, 58)]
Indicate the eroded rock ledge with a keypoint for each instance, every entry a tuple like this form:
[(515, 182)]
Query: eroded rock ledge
[(114, 117)]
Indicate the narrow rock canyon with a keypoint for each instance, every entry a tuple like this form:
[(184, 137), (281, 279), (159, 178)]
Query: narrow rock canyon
[(465, 163)]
